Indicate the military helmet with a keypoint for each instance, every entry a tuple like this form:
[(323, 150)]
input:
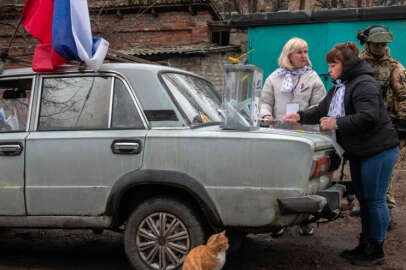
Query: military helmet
[(375, 33)]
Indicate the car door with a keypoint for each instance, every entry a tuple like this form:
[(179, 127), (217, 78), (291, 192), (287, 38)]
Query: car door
[(15, 96), (88, 133)]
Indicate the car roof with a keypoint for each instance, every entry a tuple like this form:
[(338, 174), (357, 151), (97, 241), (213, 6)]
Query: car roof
[(116, 67)]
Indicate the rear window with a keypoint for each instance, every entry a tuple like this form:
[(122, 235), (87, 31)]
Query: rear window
[(196, 97), (75, 103)]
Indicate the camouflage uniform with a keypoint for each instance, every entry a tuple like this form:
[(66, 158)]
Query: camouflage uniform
[(390, 74)]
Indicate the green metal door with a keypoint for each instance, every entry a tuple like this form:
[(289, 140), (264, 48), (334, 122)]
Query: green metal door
[(267, 42)]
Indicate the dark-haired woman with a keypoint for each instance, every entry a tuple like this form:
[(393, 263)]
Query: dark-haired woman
[(355, 111)]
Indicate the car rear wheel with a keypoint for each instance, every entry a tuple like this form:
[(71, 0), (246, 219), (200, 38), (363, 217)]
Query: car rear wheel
[(160, 232)]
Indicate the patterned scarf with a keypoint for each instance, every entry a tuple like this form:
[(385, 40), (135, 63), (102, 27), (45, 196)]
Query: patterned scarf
[(287, 84), (336, 108)]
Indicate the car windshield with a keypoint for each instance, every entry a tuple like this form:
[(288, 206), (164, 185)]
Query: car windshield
[(197, 98)]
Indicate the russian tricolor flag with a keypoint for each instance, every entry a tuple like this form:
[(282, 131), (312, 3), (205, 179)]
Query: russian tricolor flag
[(63, 29)]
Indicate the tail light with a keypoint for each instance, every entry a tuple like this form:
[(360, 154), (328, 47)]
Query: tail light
[(322, 166)]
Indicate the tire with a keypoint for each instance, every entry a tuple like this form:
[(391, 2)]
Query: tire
[(148, 247)]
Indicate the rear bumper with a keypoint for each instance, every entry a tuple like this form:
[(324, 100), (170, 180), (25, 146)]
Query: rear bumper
[(325, 203)]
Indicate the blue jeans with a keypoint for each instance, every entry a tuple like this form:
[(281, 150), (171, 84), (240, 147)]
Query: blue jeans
[(370, 179)]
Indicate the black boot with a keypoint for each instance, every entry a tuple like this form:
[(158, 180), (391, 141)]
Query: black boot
[(372, 254), (352, 253)]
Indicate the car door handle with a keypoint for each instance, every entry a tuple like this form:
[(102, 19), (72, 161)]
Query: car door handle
[(10, 149), (126, 147)]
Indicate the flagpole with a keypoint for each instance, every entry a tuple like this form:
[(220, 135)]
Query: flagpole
[(14, 34), (4, 53)]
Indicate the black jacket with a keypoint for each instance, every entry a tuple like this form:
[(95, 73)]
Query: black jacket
[(366, 128)]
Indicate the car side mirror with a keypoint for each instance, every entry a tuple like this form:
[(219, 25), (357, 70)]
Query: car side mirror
[(12, 94)]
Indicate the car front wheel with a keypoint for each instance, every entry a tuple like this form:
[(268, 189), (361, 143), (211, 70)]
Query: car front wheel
[(160, 232)]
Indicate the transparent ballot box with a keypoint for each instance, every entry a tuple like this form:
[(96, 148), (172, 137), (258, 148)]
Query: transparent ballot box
[(243, 85)]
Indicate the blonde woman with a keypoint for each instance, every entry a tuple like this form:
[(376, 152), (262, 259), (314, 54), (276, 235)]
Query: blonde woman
[(293, 86)]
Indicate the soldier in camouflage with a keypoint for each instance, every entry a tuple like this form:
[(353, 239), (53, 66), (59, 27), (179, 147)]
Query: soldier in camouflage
[(390, 74)]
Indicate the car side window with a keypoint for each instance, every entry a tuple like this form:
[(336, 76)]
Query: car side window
[(125, 114), (75, 103), (14, 104)]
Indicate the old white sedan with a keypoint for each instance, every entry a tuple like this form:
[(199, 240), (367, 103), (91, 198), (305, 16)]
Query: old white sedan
[(140, 149)]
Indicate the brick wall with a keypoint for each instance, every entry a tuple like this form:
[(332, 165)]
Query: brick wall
[(239, 37), (23, 43), (126, 30), (208, 66), (169, 27)]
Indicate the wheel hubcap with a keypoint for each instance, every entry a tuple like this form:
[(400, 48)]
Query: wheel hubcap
[(162, 241)]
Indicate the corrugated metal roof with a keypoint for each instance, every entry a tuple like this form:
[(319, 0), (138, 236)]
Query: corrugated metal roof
[(136, 52), (195, 48), (149, 4), (95, 5), (118, 3), (124, 2)]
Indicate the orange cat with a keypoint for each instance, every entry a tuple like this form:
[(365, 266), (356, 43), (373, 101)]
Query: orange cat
[(211, 256)]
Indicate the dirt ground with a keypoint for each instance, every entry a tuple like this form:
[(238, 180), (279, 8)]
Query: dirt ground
[(80, 250)]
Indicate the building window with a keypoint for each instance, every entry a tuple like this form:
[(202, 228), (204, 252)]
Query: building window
[(220, 37), (219, 33), (284, 5)]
